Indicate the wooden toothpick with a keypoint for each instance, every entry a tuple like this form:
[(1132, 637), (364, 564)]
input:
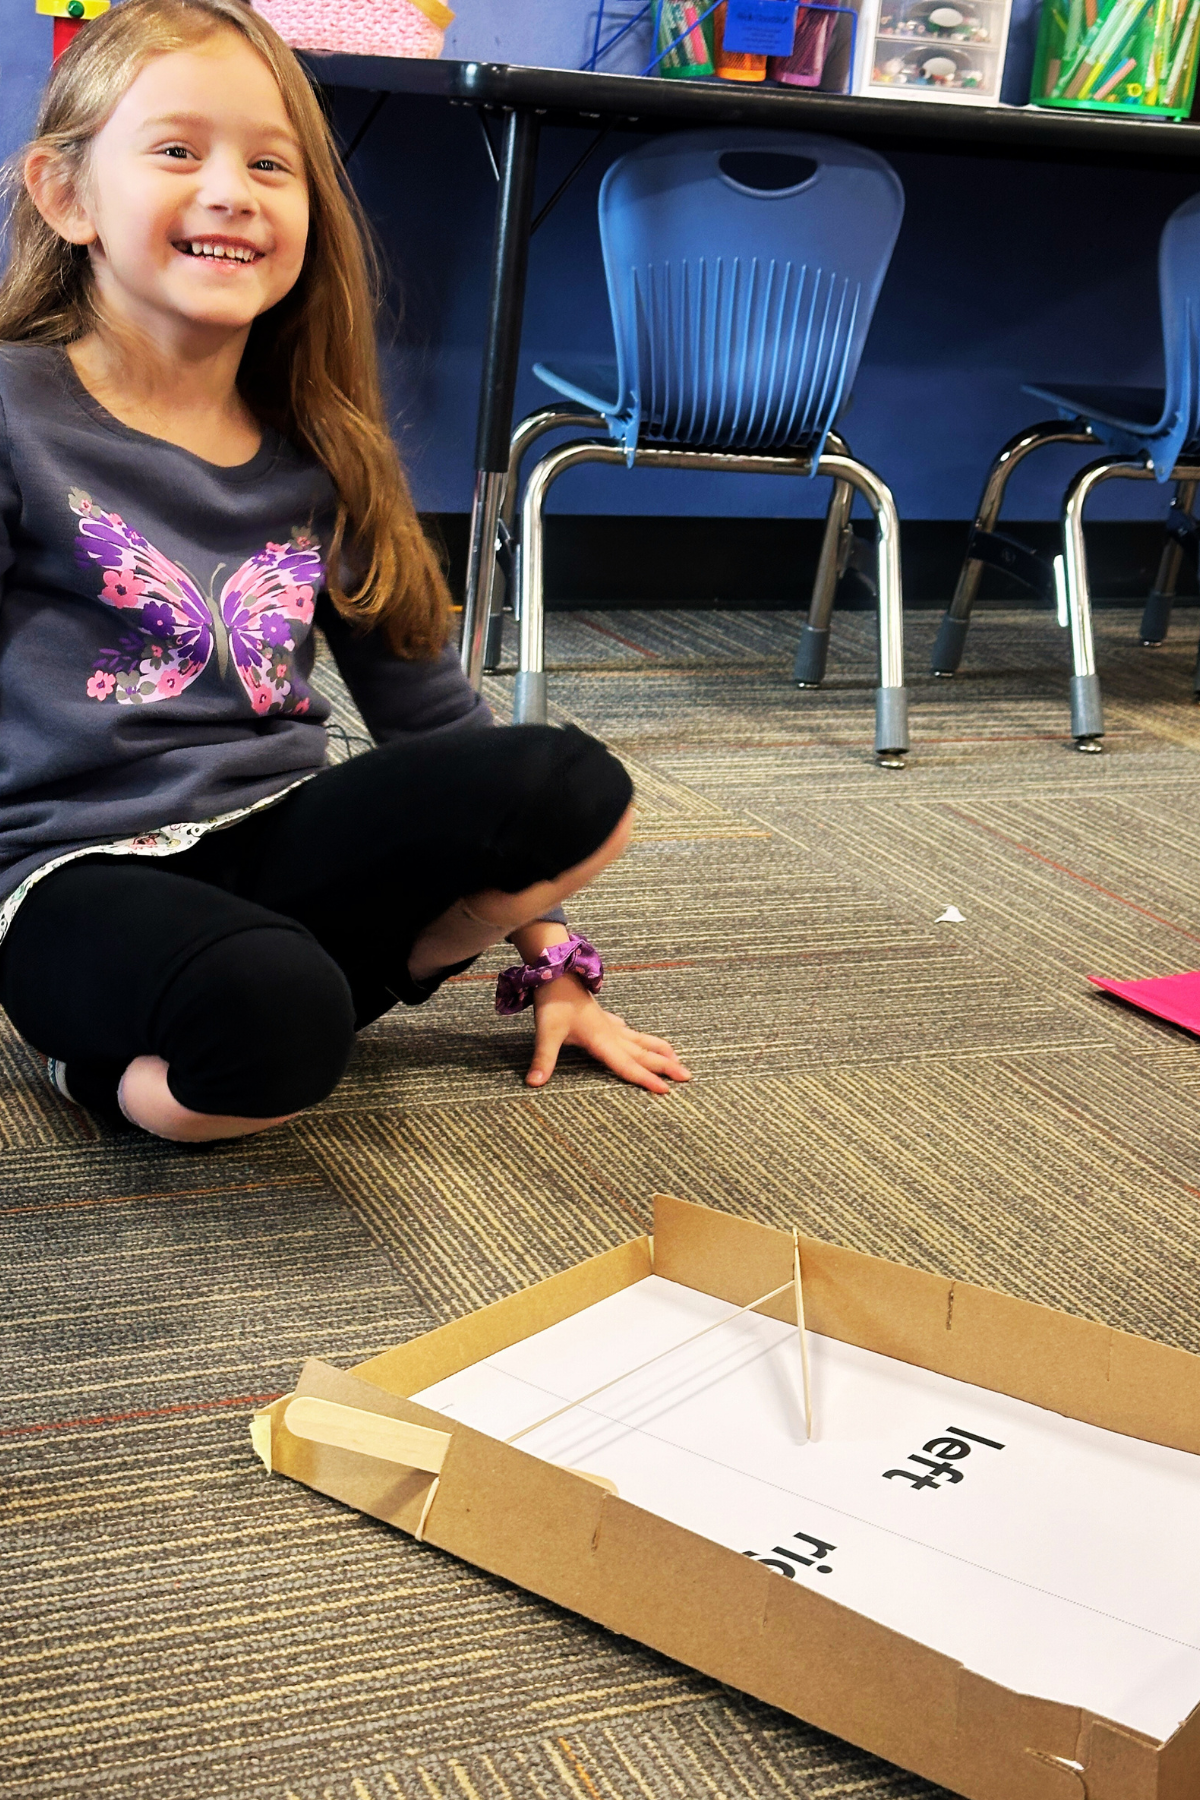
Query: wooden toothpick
[(804, 1368)]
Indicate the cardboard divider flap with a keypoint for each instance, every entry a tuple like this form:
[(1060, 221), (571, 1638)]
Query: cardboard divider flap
[(387, 1490), (1180, 1758), (1066, 1365), (422, 1361), (1123, 1765)]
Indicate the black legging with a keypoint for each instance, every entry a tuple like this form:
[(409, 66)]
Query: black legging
[(248, 962)]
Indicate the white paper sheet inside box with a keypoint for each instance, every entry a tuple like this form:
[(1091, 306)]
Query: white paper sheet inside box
[(909, 1595)]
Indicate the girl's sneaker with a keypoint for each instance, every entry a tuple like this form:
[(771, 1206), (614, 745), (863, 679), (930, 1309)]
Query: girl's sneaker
[(56, 1075), (95, 1088)]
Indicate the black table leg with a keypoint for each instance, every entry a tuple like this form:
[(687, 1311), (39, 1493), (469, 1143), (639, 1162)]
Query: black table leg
[(506, 304)]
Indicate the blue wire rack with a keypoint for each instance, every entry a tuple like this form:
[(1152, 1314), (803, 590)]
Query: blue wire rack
[(655, 7)]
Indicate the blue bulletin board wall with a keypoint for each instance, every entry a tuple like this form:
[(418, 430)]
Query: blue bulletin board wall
[(554, 34), (1004, 272)]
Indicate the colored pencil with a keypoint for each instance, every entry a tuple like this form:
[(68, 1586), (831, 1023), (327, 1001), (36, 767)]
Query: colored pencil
[(1099, 43), (1115, 80), (1177, 79), (1100, 46)]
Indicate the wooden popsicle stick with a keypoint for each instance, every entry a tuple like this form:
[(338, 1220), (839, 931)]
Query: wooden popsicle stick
[(370, 1434), (800, 1327), (260, 1438), (601, 1481)]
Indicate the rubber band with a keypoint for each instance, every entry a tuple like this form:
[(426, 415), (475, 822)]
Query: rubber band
[(434, 1485), (584, 1398)]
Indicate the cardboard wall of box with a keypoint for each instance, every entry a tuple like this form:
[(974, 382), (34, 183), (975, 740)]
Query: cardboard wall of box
[(553, 1532)]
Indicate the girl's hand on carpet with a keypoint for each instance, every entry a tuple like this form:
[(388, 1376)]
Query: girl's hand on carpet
[(565, 1013)]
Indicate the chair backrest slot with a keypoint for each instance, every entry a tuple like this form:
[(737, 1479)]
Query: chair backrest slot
[(767, 171)]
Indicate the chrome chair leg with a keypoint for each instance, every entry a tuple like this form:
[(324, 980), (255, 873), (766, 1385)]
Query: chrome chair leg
[(1087, 709), (952, 633), (891, 702), (536, 425), (891, 696), (1156, 618), (529, 700), (1087, 715), (813, 648)]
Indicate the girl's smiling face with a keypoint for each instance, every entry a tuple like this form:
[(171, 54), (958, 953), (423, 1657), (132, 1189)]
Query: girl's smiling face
[(194, 203)]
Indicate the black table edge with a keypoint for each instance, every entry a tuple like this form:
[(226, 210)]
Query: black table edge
[(649, 103)]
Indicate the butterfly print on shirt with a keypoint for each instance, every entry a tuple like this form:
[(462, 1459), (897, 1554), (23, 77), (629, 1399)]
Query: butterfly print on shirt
[(178, 628)]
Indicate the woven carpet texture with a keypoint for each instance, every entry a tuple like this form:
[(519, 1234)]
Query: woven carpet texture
[(174, 1622)]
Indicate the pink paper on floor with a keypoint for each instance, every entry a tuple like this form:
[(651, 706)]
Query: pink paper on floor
[(1173, 997)]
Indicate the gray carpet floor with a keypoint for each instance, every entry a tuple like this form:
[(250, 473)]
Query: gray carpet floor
[(174, 1622)]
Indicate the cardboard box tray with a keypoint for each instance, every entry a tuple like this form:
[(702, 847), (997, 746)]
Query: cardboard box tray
[(715, 1609)]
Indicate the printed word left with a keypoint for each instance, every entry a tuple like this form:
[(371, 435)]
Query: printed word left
[(942, 1459)]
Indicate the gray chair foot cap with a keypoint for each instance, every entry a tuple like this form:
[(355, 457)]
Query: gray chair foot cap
[(529, 701), (891, 724), (949, 645), (1091, 746), (493, 642), (1156, 619), (891, 759), (1087, 708), (808, 670)]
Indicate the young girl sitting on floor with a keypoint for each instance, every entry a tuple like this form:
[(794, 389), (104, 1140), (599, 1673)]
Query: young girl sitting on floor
[(195, 469)]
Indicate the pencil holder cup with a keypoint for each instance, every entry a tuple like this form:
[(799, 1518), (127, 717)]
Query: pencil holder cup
[(1125, 56), (827, 49), (683, 39), (360, 27)]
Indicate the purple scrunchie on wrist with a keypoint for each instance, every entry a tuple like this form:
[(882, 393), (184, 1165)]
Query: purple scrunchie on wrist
[(515, 987)]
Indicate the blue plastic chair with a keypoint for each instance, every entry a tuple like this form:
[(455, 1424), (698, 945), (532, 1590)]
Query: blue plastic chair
[(1155, 433), (743, 270)]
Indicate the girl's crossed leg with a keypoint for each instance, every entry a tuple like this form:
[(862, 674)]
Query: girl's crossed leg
[(221, 988)]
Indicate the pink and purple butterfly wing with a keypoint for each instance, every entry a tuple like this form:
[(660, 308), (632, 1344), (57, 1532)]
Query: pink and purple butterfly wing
[(171, 638), (262, 605)]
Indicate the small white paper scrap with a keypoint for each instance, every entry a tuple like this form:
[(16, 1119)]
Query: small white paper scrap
[(951, 916)]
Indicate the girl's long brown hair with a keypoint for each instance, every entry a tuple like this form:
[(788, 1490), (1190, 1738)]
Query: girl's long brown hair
[(310, 366)]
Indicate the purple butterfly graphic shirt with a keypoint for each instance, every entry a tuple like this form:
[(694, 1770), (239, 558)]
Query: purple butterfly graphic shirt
[(158, 630), (174, 629)]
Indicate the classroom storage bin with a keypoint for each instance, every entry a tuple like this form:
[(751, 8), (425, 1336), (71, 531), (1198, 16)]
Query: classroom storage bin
[(360, 27), (948, 50), (1124, 56)]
